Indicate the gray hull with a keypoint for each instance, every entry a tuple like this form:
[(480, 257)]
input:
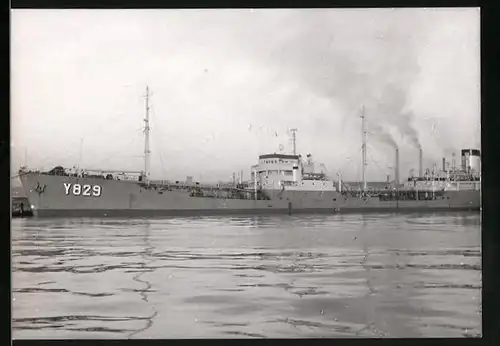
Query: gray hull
[(49, 197)]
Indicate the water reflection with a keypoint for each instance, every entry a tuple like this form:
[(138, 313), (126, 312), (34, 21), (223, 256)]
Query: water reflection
[(317, 276), (148, 260)]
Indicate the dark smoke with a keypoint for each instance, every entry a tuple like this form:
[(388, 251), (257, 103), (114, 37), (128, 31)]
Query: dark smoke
[(373, 63), (392, 105), (382, 135)]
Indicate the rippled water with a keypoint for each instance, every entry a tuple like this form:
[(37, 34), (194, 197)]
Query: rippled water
[(377, 275)]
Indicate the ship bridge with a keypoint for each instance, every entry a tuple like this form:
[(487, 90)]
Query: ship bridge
[(277, 164), (278, 171)]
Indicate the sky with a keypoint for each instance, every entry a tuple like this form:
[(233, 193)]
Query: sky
[(227, 85)]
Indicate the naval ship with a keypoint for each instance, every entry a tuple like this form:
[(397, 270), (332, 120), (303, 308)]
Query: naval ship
[(279, 183)]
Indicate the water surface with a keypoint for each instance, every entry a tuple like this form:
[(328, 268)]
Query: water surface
[(378, 275)]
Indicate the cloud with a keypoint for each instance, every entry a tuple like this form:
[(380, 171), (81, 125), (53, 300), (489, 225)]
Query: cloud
[(82, 73)]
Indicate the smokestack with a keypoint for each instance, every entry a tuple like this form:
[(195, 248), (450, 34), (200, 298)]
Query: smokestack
[(444, 164), (396, 168), (420, 168)]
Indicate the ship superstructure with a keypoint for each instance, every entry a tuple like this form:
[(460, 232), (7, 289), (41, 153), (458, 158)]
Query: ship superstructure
[(279, 183)]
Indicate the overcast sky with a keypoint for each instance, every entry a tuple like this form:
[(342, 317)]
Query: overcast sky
[(228, 84)]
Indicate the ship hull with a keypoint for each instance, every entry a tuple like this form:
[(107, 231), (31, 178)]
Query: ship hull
[(159, 213), (53, 196)]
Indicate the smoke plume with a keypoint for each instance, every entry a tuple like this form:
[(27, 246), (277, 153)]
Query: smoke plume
[(373, 64), (383, 135), (392, 105)]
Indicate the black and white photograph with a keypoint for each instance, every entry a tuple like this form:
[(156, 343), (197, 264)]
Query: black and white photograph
[(246, 173)]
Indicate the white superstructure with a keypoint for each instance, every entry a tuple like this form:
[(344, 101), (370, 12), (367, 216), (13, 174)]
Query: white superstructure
[(281, 171)]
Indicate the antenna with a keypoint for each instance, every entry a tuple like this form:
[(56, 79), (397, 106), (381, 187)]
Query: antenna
[(363, 147), (294, 138), (146, 138), (81, 150), (26, 157)]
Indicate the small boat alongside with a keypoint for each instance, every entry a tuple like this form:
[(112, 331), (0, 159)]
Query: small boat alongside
[(21, 207)]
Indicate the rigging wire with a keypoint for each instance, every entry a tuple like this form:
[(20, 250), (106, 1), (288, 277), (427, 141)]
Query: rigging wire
[(160, 133), (106, 120), (376, 163), (104, 124), (46, 158), (69, 156), (193, 152), (115, 153), (350, 162), (155, 140), (357, 166)]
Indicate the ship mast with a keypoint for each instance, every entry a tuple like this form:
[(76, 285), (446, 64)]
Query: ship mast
[(363, 147), (146, 139), (81, 153), (294, 141)]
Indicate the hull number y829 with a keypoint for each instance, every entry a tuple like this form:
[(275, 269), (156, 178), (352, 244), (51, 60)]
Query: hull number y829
[(82, 190)]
